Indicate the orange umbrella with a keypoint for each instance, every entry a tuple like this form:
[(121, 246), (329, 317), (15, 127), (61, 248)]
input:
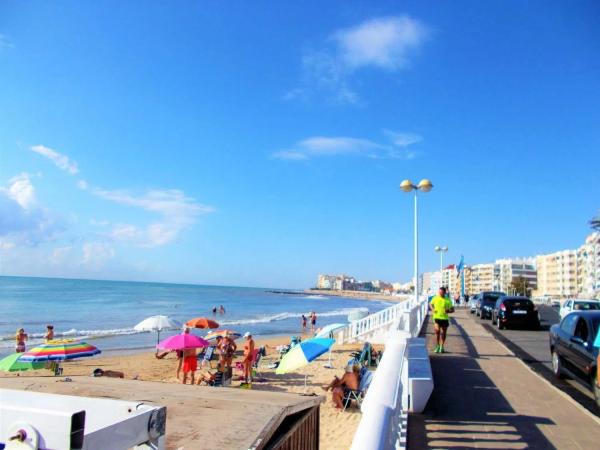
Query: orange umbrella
[(202, 322)]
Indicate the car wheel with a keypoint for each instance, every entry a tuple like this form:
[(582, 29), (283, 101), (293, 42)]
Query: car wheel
[(500, 327), (556, 365)]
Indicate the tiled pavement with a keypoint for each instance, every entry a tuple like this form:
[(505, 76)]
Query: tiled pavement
[(484, 397)]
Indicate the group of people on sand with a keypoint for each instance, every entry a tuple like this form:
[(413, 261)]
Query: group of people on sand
[(21, 338), (313, 321), (225, 348), (220, 310)]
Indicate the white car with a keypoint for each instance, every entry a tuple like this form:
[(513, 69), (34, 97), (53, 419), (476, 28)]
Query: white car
[(574, 304)]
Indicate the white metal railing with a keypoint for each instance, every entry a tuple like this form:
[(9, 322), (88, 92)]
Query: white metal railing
[(401, 316), (380, 425)]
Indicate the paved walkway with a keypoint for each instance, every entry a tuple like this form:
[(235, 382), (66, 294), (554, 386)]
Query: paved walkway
[(484, 397)]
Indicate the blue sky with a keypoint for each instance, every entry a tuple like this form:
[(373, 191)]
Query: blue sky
[(261, 143)]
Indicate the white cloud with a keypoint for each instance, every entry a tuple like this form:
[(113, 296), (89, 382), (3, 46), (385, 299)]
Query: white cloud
[(61, 161), (290, 155), (318, 146), (176, 210), (322, 145), (403, 139), (97, 254), (83, 185), (383, 43), (22, 220), (20, 190)]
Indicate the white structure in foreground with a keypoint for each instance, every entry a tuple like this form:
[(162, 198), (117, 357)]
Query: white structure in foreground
[(32, 420), (402, 382)]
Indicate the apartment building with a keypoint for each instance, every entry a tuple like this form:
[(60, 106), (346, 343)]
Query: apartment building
[(588, 267), (481, 278), (508, 270), (557, 274)]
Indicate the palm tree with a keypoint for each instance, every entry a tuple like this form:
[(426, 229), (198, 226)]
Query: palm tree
[(595, 223)]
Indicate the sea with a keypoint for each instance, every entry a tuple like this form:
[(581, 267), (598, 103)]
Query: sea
[(104, 313)]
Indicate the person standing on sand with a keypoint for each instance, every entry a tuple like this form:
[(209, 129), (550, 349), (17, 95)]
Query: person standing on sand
[(49, 333), (248, 351), (20, 338), (190, 362), (440, 306)]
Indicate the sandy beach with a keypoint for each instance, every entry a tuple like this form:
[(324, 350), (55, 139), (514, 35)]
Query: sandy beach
[(337, 428)]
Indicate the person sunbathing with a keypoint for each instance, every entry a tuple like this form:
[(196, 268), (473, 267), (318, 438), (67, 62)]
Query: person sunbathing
[(207, 376), (338, 386), (108, 373)]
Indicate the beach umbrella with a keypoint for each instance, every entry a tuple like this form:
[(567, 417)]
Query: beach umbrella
[(59, 350), (157, 323), (229, 333), (11, 363), (202, 322), (183, 341), (302, 354), (327, 332)]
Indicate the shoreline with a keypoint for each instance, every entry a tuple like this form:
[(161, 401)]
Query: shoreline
[(358, 295)]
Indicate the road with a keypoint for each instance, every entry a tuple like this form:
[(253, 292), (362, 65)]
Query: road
[(533, 349)]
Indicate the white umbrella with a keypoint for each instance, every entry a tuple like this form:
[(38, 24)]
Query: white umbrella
[(157, 323), (327, 332)]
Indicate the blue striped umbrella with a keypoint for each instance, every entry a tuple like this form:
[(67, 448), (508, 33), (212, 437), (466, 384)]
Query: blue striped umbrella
[(303, 353)]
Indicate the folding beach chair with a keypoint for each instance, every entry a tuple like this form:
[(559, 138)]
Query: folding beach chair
[(207, 356), (358, 395)]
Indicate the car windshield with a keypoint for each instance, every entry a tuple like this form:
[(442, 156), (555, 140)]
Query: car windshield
[(586, 306)]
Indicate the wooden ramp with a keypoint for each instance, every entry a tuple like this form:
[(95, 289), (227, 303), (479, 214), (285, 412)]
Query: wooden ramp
[(202, 417)]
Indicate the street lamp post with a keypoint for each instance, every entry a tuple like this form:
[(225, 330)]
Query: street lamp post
[(441, 251), (425, 186)]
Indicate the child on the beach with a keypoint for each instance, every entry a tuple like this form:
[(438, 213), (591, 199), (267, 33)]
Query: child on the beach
[(303, 322), (20, 338)]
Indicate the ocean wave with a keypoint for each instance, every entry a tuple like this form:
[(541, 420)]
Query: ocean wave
[(38, 338), (289, 315)]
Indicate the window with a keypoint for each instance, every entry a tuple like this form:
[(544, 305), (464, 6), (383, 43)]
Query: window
[(568, 324), (581, 330)]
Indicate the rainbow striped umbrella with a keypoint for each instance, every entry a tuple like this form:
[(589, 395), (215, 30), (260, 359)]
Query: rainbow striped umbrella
[(59, 350), (230, 333)]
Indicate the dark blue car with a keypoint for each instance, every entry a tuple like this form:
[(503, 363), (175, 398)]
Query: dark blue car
[(573, 351)]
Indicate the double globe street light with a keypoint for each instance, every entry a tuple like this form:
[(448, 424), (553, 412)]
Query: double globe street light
[(424, 186), (441, 251)]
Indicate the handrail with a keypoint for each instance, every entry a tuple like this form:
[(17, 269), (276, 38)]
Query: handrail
[(373, 322), (380, 425)]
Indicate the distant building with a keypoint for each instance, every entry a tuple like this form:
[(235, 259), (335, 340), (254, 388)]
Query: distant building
[(481, 278), (557, 274), (508, 270), (588, 267)]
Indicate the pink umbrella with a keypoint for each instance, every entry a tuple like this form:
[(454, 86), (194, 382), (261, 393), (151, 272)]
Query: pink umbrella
[(182, 341)]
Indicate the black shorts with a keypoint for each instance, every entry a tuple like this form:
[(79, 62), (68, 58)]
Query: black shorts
[(442, 323)]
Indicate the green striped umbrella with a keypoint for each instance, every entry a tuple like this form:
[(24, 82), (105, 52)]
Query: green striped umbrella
[(12, 364)]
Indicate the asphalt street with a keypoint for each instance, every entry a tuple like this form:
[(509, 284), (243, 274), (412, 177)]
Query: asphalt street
[(533, 348)]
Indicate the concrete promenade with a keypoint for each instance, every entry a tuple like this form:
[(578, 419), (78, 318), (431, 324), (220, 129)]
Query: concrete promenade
[(485, 397)]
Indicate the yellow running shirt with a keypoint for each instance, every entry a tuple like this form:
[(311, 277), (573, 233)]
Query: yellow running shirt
[(440, 306)]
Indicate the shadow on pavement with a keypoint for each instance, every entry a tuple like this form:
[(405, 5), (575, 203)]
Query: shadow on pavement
[(466, 409)]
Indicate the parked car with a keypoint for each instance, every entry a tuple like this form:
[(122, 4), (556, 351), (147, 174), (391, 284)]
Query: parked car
[(486, 303), (473, 303), (578, 304), (515, 311), (572, 349)]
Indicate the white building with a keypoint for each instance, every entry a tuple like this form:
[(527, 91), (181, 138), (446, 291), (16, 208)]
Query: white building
[(588, 267), (508, 270)]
